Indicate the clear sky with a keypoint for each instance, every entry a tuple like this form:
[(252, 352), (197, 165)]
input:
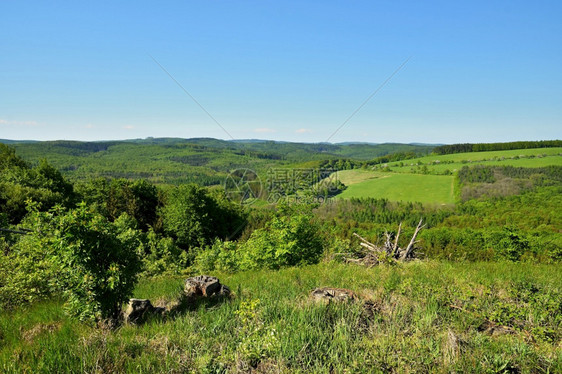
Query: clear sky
[(480, 71)]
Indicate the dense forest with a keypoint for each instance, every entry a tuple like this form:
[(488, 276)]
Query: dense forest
[(482, 147), (201, 161)]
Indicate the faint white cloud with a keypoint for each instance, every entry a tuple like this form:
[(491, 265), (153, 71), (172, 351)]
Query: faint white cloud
[(89, 126), (128, 127), (303, 131), (264, 130), (18, 123)]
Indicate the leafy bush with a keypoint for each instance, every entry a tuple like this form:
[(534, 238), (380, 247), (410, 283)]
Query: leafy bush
[(91, 260), (455, 244), (222, 256), (27, 272), (509, 243), (161, 255), (291, 238), (287, 240)]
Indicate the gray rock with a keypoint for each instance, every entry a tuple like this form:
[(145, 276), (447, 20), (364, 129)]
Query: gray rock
[(332, 294), (204, 286)]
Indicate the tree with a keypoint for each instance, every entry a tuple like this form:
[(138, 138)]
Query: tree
[(194, 217), (19, 183), (111, 198)]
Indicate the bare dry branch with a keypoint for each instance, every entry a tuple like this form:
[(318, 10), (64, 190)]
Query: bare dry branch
[(410, 246), (395, 248), (372, 254)]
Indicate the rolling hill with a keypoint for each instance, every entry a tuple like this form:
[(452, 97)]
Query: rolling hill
[(204, 161)]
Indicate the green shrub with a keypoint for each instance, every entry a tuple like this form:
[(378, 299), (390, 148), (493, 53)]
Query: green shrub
[(290, 238), (222, 256), (509, 243), (287, 240), (161, 255), (92, 261), (27, 272), (455, 244)]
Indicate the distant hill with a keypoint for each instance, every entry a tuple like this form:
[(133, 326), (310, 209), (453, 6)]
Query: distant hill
[(7, 141), (204, 161)]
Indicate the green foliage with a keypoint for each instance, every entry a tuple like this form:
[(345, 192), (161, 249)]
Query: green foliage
[(9, 159), (194, 217), (111, 198), (479, 174), (27, 272), (19, 183), (509, 243), (221, 256), (493, 181), (483, 147), (96, 261), (473, 230), (455, 244), (290, 238), (161, 255)]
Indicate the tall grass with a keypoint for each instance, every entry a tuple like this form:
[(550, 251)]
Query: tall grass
[(402, 322)]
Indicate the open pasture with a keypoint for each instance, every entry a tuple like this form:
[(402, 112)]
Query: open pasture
[(431, 189)]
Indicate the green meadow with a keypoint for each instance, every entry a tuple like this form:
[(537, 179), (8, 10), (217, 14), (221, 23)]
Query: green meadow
[(529, 158), (430, 179), (431, 189)]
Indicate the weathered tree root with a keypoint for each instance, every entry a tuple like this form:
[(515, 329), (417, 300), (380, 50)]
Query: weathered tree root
[(372, 254)]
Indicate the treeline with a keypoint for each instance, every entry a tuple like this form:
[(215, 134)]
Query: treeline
[(482, 147), (398, 156), (348, 164), (262, 155)]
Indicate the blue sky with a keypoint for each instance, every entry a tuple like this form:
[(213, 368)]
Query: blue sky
[(479, 71)]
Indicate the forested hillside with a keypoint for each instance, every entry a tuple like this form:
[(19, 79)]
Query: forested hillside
[(203, 161)]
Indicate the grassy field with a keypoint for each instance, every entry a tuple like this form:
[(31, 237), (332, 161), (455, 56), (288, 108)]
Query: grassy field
[(413, 180), (431, 189), (530, 158), (417, 317)]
